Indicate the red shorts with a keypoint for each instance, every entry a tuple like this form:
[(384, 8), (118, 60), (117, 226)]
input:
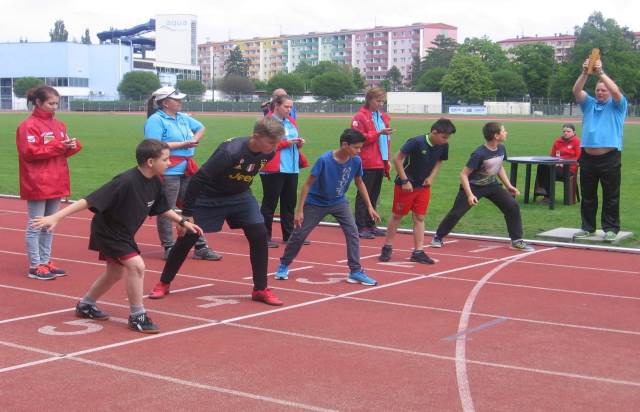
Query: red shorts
[(119, 259), (416, 201)]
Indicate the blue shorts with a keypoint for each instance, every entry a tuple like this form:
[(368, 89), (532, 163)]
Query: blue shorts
[(238, 210)]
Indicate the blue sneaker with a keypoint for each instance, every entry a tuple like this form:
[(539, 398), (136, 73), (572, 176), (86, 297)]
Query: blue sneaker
[(282, 273), (361, 277)]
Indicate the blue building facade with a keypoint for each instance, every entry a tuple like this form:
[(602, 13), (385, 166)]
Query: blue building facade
[(75, 70)]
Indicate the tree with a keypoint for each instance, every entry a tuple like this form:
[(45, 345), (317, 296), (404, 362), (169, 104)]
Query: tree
[(394, 76), (309, 72), (260, 85), (334, 85), (468, 80), (58, 33), (620, 58), (292, 83), (386, 85), (235, 85), (509, 84), (536, 63), (193, 88), (440, 55), (236, 64), (23, 84), (138, 85), (431, 80), (489, 52), (358, 79), (86, 39)]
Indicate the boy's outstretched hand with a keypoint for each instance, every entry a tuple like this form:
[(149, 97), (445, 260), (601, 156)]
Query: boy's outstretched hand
[(40, 222), (298, 218)]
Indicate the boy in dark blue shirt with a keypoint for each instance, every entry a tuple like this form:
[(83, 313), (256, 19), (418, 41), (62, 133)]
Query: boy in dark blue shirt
[(417, 164), (324, 194), (479, 178)]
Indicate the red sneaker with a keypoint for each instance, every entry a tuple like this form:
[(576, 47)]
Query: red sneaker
[(159, 290), (55, 270), (266, 296)]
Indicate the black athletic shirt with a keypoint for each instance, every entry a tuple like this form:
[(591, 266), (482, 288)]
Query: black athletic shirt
[(421, 159), (486, 165), (229, 171), (120, 208)]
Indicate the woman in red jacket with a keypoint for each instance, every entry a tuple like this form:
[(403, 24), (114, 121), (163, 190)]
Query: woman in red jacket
[(566, 146), (43, 148), (374, 125)]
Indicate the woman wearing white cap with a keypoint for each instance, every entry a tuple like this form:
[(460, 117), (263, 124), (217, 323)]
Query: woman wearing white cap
[(182, 133)]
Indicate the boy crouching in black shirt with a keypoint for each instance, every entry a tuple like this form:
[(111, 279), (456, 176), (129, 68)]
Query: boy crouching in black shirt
[(120, 207), (478, 179), (220, 191)]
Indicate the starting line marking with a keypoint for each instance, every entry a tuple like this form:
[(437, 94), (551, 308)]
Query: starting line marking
[(290, 270)]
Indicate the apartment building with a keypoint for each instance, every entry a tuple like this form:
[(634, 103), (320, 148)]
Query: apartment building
[(374, 51)]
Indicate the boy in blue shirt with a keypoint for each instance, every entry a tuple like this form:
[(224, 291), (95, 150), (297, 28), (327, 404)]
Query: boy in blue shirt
[(324, 194)]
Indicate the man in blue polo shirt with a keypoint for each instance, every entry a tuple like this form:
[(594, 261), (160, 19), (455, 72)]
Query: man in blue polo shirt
[(600, 160), (182, 133)]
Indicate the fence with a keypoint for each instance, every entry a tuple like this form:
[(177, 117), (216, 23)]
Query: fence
[(544, 108)]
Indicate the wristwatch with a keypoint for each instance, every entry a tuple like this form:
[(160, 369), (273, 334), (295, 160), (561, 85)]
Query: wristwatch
[(183, 220), (403, 181)]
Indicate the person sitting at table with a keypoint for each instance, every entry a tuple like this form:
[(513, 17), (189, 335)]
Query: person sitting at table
[(566, 146)]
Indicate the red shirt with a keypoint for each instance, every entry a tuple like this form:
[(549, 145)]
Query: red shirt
[(370, 154), (567, 149), (42, 157)]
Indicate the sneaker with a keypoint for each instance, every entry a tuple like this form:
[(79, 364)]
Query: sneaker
[(521, 245), (361, 277), (205, 253), (167, 250), (86, 311), (377, 231), (41, 272), (142, 323), (421, 257), (436, 242), (610, 236), (385, 253), (282, 273), (366, 234), (272, 244), (159, 291), (583, 234), (56, 270), (266, 296)]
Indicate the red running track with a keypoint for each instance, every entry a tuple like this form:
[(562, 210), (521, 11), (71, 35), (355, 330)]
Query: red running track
[(485, 328)]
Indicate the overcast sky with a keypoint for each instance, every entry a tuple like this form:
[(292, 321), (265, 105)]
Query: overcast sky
[(220, 19)]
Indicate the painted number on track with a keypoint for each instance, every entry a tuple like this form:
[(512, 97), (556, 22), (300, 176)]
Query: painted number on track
[(79, 327), (219, 300), (331, 278)]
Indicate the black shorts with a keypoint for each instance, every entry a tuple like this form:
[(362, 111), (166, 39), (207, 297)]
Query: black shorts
[(238, 210)]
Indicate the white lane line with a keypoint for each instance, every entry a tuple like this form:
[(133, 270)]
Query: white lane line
[(464, 390), (186, 289), (197, 385), (361, 258), (576, 292), (290, 270), (37, 315), (510, 318), (430, 355)]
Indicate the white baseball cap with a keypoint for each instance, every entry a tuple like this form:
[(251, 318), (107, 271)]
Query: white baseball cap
[(168, 91)]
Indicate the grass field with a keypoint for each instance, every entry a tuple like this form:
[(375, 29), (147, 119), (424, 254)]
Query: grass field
[(109, 141)]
